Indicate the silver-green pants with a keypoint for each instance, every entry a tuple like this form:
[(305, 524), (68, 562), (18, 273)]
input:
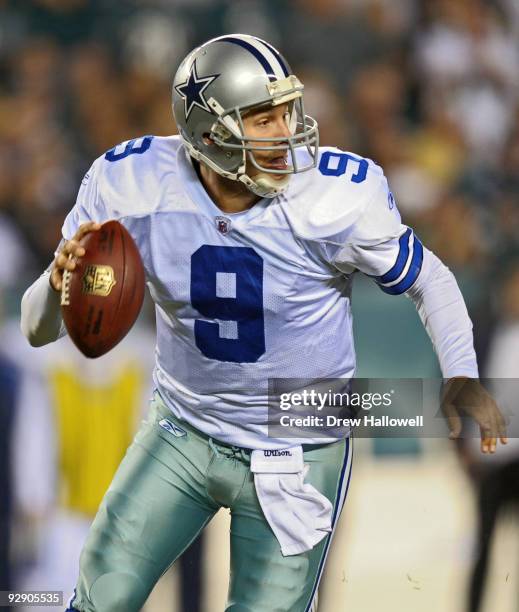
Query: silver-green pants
[(167, 488)]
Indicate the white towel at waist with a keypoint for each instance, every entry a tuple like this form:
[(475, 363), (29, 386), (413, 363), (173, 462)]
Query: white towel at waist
[(298, 514)]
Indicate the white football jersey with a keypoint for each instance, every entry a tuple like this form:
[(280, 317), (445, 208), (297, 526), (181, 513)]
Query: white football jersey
[(247, 297)]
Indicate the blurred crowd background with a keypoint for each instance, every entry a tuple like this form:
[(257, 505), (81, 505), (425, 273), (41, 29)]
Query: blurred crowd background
[(429, 89)]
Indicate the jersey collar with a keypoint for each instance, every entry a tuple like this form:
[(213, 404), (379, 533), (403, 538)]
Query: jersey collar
[(197, 193)]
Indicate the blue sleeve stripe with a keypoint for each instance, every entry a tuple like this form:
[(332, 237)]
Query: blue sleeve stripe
[(411, 274), (401, 260)]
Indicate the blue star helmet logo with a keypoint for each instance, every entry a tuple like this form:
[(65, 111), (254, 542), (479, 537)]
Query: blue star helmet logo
[(192, 91)]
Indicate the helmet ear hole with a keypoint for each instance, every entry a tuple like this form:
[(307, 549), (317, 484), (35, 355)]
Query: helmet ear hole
[(206, 136)]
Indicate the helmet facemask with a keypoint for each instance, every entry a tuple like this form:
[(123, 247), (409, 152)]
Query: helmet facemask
[(229, 133)]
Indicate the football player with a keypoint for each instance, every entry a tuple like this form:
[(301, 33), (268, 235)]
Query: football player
[(249, 234)]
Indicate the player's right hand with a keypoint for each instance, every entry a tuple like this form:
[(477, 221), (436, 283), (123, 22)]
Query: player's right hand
[(69, 253), (467, 396)]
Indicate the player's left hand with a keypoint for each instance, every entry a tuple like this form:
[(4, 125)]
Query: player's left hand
[(467, 396)]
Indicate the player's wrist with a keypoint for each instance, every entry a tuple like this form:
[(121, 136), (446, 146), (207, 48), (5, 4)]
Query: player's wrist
[(51, 283)]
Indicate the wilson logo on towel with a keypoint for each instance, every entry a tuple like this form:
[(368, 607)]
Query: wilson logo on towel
[(172, 428), (277, 453)]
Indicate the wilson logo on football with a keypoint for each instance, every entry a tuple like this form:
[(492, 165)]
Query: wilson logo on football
[(98, 280)]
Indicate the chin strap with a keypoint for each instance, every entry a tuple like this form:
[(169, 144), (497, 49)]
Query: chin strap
[(264, 185)]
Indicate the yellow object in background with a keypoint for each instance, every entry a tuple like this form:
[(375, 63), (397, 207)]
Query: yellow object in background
[(95, 425)]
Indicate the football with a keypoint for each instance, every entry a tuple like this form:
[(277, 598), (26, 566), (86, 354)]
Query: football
[(102, 297)]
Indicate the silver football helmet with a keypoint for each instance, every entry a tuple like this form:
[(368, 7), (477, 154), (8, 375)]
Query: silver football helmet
[(216, 85)]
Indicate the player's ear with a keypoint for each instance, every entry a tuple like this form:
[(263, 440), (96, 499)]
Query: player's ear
[(207, 139)]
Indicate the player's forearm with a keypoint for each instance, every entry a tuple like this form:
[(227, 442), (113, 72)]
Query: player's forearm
[(41, 320), (442, 309)]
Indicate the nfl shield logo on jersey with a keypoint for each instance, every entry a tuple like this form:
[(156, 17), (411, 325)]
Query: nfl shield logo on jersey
[(223, 224)]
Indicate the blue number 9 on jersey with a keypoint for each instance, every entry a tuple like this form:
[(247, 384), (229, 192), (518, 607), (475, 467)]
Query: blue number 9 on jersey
[(335, 164), (227, 285)]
